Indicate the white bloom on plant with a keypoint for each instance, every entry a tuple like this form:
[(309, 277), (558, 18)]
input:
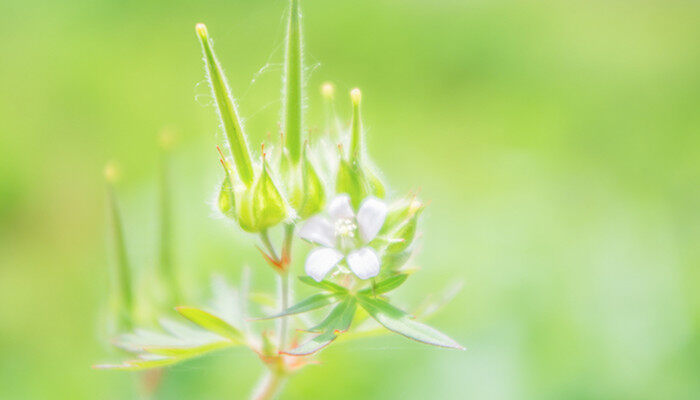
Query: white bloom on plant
[(344, 236)]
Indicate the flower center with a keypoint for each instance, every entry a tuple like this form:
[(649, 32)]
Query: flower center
[(345, 228)]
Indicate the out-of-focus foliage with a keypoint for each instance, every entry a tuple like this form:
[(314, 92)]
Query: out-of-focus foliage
[(557, 143)]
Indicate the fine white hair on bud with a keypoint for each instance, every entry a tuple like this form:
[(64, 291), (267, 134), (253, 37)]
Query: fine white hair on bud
[(356, 96)]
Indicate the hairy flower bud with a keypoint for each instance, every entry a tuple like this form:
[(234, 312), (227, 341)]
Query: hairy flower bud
[(226, 106), (269, 207), (399, 212)]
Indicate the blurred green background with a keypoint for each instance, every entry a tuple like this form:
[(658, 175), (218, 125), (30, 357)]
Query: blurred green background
[(557, 141)]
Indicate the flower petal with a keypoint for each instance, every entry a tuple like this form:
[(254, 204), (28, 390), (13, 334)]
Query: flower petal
[(364, 263), (370, 218), (320, 261), (318, 230), (340, 207)]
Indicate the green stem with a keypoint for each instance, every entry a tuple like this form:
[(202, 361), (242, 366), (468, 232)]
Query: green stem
[(293, 84), (265, 238), (269, 386), (227, 110), (284, 304)]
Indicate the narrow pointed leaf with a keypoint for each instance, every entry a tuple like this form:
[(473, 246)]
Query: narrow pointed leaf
[(386, 285), (211, 323), (340, 319), (402, 323), (334, 316), (187, 351), (310, 303), (325, 285)]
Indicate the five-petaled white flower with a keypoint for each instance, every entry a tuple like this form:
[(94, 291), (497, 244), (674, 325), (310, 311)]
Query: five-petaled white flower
[(339, 239)]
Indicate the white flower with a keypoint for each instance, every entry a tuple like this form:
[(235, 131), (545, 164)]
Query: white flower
[(344, 236)]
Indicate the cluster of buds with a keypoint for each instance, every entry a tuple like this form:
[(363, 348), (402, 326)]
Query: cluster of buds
[(331, 195), (285, 186)]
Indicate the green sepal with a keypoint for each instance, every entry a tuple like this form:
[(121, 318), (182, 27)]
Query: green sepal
[(385, 285), (394, 261), (314, 191), (212, 323), (227, 198), (400, 322), (325, 285), (350, 180), (337, 322), (308, 304), (376, 186), (269, 208)]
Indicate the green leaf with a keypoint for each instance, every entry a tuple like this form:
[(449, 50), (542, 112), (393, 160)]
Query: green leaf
[(139, 364), (402, 323), (332, 317), (308, 304), (386, 285), (337, 322), (211, 323), (187, 351), (325, 285)]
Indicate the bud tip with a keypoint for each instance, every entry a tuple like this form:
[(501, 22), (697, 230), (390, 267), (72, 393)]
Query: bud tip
[(356, 96), (201, 30), (327, 90)]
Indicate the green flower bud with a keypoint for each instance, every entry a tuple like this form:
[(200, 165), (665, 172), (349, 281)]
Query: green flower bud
[(268, 205), (357, 156), (404, 235), (399, 212), (226, 106)]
